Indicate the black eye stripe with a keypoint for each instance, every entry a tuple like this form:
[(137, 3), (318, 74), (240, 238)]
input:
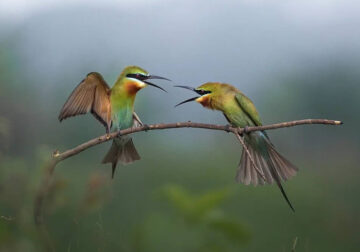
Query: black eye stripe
[(202, 92), (137, 76)]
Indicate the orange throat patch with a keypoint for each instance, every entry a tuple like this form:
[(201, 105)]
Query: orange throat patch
[(205, 100), (132, 87)]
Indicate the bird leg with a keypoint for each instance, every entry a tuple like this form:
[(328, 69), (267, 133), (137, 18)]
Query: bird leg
[(227, 128), (146, 127), (245, 130)]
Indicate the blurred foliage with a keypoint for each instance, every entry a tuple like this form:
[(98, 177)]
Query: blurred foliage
[(203, 209), (85, 210), (181, 196), (140, 211), (197, 224), (4, 127)]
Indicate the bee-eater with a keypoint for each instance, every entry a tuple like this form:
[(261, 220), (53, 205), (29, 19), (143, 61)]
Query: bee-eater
[(240, 111), (114, 108)]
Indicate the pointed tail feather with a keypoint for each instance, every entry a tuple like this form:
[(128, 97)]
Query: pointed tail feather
[(268, 161), (122, 150), (275, 174)]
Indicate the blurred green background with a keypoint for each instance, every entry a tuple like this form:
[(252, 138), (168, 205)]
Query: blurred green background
[(295, 60)]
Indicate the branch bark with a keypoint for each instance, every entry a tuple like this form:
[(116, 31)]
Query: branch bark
[(58, 157)]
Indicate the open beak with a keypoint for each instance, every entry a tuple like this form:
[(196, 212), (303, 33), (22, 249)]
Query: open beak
[(188, 100), (154, 85), (187, 87), (155, 77)]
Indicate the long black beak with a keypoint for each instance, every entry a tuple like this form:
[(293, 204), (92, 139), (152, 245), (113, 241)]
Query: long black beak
[(157, 77), (154, 85), (187, 87), (188, 100)]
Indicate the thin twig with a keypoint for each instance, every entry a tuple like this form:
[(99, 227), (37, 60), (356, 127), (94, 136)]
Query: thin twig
[(58, 157)]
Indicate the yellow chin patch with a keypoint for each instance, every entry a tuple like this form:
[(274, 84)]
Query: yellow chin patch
[(204, 100)]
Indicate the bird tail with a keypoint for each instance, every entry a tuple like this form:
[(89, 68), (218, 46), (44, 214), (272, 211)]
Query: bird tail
[(270, 165), (123, 150)]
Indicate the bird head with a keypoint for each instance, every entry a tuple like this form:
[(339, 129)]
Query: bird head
[(135, 78), (207, 93)]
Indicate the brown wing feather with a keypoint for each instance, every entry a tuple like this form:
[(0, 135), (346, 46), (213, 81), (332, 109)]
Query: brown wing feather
[(91, 95)]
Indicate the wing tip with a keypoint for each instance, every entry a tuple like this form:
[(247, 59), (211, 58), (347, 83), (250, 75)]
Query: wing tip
[(60, 118)]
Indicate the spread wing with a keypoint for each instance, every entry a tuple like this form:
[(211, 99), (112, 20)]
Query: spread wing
[(248, 107), (91, 95)]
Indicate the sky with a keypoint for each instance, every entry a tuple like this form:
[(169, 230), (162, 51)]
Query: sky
[(317, 11), (190, 42)]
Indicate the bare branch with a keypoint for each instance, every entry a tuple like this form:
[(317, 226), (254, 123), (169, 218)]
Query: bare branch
[(104, 138), (58, 157)]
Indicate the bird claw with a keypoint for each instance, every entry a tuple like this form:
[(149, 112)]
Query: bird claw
[(107, 136), (246, 130), (146, 127), (227, 128)]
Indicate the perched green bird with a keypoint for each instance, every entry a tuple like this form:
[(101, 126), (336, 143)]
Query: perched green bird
[(241, 112), (114, 108)]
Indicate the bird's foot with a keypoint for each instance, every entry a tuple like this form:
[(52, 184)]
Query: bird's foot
[(107, 136), (119, 134), (227, 128), (146, 127), (246, 130)]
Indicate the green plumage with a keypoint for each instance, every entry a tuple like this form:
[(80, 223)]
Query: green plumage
[(240, 111), (114, 108), (122, 98)]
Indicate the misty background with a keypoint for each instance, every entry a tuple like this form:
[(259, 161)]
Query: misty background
[(295, 60)]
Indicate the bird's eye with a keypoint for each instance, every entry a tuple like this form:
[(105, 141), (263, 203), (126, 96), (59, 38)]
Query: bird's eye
[(202, 92), (136, 76)]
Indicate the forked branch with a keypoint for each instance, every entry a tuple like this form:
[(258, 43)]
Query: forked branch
[(58, 157)]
